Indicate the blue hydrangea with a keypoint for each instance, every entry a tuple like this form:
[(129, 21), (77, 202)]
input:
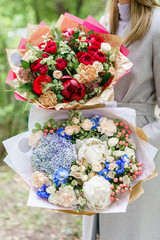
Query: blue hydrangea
[(104, 173), (41, 192), (52, 153), (60, 176)]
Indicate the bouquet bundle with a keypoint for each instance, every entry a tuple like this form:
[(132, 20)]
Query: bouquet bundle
[(87, 162), (91, 160), (72, 65)]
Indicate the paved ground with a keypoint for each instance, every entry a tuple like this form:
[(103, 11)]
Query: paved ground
[(19, 222)]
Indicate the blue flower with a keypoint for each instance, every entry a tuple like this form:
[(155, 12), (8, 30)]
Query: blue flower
[(95, 122), (60, 176), (125, 158), (41, 192), (107, 165), (62, 133), (104, 173), (120, 168)]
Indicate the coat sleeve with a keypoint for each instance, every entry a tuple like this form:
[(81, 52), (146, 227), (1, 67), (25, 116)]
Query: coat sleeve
[(153, 129)]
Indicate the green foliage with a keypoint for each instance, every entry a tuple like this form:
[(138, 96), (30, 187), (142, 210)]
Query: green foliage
[(25, 64), (106, 77)]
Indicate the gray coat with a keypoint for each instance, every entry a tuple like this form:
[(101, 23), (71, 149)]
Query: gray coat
[(140, 90)]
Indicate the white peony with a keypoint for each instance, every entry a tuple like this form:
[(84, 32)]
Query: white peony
[(105, 47), (97, 192), (113, 142), (107, 126), (34, 138), (93, 151), (130, 152)]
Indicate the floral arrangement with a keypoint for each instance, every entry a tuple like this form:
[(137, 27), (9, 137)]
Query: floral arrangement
[(83, 162), (66, 68)]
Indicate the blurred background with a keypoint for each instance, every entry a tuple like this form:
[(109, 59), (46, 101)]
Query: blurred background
[(17, 221)]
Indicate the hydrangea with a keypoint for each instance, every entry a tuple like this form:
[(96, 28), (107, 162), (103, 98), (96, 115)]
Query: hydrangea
[(52, 153)]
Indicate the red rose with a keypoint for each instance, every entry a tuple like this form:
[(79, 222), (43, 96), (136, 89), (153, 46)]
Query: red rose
[(73, 90), (45, 55), (86, 59), (51, 47), (39, 83), (35, 65), (79, 54), (92, 49), (43, 69), (40, 45), (95, 43), (100, 57), (61, 64), (96, 38)]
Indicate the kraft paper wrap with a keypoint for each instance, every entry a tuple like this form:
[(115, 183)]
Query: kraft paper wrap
[(121, 65), (135, 194)]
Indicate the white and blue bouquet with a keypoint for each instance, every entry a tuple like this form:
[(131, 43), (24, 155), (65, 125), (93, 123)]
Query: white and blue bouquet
[(88, 161)]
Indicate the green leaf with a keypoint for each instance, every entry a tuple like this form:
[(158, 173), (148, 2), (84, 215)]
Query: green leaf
[(91, 32), (76, 34), (59, 97), (106, 77), (25, 64), (37, 125), (51, 121)]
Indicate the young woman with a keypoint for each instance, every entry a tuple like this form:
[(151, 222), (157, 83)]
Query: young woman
[(138, 22)]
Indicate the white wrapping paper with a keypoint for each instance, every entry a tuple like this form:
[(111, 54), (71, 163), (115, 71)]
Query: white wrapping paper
[(19, 153)]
